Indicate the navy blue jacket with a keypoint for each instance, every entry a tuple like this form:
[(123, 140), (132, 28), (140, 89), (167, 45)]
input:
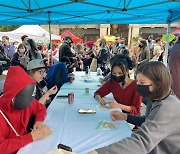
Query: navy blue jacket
[(57, 75)]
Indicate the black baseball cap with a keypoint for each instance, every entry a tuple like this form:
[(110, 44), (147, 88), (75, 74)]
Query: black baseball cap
[(66, 37)]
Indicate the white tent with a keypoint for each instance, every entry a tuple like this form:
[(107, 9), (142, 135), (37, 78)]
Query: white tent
[(33, 31)]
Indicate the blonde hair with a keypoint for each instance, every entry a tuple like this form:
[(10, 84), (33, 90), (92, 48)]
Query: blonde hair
[(102, 43)]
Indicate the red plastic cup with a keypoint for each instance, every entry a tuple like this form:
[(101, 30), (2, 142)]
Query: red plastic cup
[(70, 98), (70, 79)]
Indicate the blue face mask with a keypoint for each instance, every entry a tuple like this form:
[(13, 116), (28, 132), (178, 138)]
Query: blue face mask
[(121, 45), (143, 90)]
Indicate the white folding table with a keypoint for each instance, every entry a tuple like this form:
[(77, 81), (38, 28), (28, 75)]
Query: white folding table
[(79, 131)]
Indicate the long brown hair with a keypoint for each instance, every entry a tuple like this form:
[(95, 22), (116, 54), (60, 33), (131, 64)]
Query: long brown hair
[(33, 46), (159, 74), (123, 65)]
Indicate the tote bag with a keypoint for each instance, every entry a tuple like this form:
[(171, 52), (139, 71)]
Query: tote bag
[(93, 66)]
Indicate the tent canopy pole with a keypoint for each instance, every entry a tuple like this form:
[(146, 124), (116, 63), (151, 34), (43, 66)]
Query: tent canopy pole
[(167, 40), (49, 24), (50, 42), (167, 45)]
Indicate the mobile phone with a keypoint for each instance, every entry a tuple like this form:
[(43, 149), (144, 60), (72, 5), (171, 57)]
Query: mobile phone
[(64, 147), (61, 96)]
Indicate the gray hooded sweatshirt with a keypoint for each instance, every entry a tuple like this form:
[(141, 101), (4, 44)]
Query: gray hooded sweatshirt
[(159, 134)]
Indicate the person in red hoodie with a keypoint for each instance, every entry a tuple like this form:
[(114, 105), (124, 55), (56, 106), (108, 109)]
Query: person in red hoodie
[(17, 104)]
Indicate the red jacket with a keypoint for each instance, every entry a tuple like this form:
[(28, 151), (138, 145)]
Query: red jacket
[(16, 80), (127, 96)]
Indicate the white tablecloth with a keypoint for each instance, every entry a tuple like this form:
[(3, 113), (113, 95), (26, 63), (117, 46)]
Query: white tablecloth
[(79, 131), (82, 81)]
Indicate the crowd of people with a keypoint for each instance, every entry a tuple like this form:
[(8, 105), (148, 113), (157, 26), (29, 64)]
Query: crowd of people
[(32, 83), (81, 55)]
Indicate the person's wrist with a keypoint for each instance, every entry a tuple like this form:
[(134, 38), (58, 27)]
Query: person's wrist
[(34, 136), (102, 101), (119, 105), (48, 93), (98, 98)]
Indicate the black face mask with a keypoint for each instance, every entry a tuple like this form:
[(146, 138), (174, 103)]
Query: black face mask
[(25, 97), (118, 79), (143, 90)]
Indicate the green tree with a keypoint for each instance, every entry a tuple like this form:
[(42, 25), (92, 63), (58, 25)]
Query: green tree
[(6, 28)]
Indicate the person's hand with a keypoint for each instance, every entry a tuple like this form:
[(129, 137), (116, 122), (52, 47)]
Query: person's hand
[(87, 56), (53, 90), (41, 133), (113, 105), (117, 115), (39, 124), (92, 152), (103, 102)]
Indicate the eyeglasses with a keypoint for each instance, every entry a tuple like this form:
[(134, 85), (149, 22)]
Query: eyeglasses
[(42, 72)]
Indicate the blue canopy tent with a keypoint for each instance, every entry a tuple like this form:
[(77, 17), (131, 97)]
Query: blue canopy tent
[(89, 12)]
